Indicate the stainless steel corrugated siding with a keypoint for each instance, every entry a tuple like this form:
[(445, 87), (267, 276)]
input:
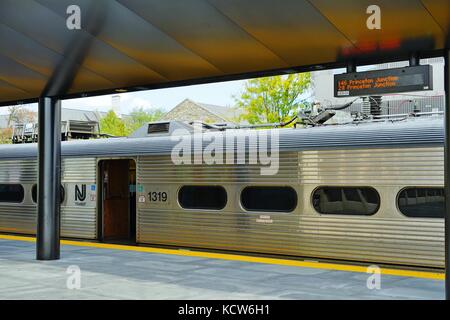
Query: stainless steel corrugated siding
[(18, 171), (381, 240), (226, 229), (18, 218), (401, 167), (386, 237), (160, 169), (79, 222), (388, 157)]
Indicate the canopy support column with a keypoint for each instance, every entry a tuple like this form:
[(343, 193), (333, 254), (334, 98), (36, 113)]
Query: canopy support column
[(447, 171), (49, 179)]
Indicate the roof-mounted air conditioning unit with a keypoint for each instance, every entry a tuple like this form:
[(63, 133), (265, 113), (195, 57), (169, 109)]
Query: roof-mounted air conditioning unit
[(162, 128)]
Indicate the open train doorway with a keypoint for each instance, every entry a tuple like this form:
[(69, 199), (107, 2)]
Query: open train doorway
[(117, 201)]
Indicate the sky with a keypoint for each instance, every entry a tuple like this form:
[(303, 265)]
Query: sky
[(220, 93)]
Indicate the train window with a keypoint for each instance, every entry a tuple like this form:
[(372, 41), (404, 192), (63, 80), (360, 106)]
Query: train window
[(12, 193), (272, 199), (346, 200), (421, 202), (34, 193), (202, 197)]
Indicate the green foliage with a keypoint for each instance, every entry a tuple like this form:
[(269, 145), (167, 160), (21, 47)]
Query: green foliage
[(140, 116), (273, 99), (113, 125), (5, 135)]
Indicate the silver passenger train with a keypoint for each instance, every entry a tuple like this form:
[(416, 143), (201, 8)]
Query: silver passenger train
[(369, 192)]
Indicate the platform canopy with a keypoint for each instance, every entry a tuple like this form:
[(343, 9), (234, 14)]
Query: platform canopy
[(127, 45)]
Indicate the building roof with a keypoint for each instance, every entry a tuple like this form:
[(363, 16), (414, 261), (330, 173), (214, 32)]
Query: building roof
[(81, 115), (224, 114), (68, 114), (228, 114)]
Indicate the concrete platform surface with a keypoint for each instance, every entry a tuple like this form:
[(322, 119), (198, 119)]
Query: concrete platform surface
[(119, 274)]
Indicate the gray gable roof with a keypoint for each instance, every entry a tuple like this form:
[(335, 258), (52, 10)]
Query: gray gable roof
[(81, 115), (68, 114), (226, 113)]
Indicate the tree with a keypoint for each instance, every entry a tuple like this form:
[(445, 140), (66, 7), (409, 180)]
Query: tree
[(140, 116), (20, 114), (5, 135), (273, 99), (113, 125)]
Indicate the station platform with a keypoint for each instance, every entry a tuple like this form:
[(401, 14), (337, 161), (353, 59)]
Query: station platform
[(135, 272)]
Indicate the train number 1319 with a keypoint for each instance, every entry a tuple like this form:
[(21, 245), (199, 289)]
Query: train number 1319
[(157, 196)]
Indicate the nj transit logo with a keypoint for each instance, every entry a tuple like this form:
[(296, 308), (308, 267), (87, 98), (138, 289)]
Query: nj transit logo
[(80, 195)]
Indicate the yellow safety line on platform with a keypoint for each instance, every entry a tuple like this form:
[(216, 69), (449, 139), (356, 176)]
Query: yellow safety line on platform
[(235, 257)]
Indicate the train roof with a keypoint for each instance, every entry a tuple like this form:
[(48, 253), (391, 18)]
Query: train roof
[(415, 132)]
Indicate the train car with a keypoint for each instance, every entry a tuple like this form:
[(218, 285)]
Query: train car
[(368, 192)]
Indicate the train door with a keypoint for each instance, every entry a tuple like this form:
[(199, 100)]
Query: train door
[(118, 200)]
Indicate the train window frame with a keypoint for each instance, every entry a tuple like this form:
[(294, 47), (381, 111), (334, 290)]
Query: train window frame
[(14, 202), (199, 208), (416, 187), (62, 190), (346, 214), (256, 211)]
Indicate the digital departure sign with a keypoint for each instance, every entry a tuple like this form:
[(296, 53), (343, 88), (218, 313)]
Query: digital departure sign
[(376, 82)]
